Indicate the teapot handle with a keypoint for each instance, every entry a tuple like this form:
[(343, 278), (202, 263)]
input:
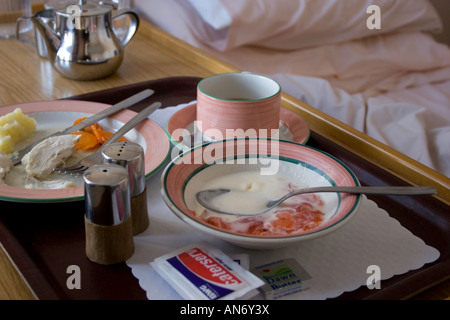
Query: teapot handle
[(134, 24)]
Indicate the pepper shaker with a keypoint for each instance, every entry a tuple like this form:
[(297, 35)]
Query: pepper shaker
[(109, 234), (130, 155)]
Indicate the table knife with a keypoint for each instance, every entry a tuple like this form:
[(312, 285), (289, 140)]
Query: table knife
[(16, 157)]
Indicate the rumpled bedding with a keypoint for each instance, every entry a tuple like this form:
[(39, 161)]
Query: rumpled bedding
[(392, 83)]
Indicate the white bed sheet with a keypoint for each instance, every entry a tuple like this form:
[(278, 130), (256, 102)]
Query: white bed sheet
[(394, 86)]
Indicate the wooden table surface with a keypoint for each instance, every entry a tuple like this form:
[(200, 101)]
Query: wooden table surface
[(26, 77)]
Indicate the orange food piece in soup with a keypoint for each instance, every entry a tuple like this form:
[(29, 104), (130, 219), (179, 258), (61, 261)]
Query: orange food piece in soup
[(286, 221)]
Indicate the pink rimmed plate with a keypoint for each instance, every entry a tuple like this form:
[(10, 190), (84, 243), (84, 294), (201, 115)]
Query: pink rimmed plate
[(180, 128), (55, 115), (306, 166)]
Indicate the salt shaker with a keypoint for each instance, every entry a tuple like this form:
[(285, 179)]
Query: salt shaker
[(130, 155), (109, 234)]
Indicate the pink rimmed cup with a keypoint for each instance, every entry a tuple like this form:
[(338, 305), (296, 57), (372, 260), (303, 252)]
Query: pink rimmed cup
[(233, 105)]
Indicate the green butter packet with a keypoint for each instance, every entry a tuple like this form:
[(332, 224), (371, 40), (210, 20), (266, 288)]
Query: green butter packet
[(282, 278)]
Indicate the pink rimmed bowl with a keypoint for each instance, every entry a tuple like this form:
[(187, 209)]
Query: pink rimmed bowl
[(308, 167)]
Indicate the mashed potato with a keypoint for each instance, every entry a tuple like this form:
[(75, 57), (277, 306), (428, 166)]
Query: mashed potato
[(14, 127)]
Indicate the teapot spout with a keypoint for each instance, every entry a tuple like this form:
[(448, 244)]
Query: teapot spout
[(47, 39)]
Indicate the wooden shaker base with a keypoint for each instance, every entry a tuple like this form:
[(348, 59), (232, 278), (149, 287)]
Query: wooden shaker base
[(109, 244)]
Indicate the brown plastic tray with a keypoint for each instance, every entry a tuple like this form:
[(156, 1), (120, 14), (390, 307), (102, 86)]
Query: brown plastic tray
[(44, 239)]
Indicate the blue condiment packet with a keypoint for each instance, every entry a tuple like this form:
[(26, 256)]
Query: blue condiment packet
[(203, 272)]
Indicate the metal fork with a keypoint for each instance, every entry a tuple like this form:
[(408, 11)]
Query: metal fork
[(96, 158)]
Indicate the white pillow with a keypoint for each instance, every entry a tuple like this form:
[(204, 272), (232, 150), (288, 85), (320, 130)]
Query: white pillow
[(212, 12), (295, 24)]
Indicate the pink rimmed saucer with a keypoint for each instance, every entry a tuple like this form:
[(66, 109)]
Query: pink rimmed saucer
[(180, 128)]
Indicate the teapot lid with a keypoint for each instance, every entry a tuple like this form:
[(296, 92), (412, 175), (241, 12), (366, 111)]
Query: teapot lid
[(85, 8)]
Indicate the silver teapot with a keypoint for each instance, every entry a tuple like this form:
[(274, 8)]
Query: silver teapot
[(80, 41)]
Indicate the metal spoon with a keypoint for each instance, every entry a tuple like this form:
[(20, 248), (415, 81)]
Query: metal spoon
[(206, 198)]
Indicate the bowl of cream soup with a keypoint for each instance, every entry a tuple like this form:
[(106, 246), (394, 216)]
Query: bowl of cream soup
[(260, 168)]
